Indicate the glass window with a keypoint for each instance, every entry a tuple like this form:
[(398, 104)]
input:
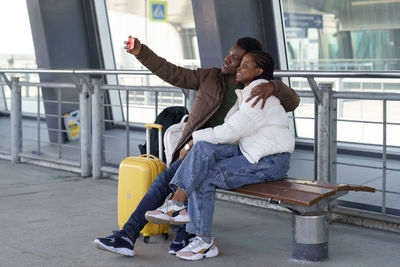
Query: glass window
[(345, 35), (17, 52), (167, 27), (342, 35)]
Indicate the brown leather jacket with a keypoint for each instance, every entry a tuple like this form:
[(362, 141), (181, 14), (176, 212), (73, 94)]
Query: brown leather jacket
[(210, 85)]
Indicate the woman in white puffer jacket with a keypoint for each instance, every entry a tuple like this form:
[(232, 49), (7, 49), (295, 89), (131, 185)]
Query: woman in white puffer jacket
[(253, 145), (259, 132)]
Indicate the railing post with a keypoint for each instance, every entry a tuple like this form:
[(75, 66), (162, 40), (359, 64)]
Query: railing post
[(317, 99), (324, 132), (16, 120), (85, 112), (97, 128), (333, 138)]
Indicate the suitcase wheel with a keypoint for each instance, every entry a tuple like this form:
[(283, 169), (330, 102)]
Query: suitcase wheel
[(165, 236), (146, 239)]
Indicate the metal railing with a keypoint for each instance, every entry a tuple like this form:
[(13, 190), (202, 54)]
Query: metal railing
[(345, 64), (91, 93), (83, 160)]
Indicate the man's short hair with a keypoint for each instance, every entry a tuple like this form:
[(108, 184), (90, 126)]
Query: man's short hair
[(249, 44)]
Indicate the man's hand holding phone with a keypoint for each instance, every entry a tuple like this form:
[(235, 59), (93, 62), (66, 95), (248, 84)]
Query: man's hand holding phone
[(133, 45)]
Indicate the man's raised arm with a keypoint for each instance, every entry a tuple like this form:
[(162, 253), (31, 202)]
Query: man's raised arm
[(171, 73), (288, 97)]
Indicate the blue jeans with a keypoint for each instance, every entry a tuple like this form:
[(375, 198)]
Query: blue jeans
[(208, 166), (154, 198)]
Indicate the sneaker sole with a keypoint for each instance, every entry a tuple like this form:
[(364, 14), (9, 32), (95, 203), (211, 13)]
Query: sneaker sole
[(158, 219), (177, 221), (120, 251), (173, 222), (210, 254)]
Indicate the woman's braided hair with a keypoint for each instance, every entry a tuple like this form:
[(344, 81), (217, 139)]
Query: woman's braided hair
[(265, 61)]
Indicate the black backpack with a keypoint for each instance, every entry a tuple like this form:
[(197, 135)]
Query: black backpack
[(169, 116)]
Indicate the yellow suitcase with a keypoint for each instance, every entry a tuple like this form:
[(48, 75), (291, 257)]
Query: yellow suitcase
[(136, 174)]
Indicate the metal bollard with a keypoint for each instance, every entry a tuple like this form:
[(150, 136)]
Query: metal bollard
[(310, 237), (84, 107), (16, 120)]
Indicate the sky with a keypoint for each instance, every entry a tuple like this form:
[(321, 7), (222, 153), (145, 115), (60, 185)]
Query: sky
[(16, 37)]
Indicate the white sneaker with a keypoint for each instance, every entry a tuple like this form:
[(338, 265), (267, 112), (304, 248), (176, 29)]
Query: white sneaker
[(168, 213), (197, 250)]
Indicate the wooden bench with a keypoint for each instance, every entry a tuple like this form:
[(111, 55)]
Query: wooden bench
[(308, 201)]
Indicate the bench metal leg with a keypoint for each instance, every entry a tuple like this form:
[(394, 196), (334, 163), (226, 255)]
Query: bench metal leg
[(310, 237)]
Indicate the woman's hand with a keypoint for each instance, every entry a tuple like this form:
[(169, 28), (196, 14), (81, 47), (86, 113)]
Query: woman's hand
[(184, 151), (137, 47), (262, 91)]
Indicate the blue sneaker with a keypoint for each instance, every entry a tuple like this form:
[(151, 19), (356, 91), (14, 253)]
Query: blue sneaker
[(181, 240), (118, 243)]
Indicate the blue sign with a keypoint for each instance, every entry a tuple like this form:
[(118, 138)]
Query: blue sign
[(296, 33), (158, 11), (297, 20)]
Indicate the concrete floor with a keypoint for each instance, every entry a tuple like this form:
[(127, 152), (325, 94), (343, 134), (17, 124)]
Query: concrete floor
[(51, 217)]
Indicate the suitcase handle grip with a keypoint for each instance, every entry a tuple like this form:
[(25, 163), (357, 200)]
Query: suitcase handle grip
[(148, 156), (154, 125)]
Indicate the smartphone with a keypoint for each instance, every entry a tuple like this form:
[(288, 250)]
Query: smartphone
[(131, 42)]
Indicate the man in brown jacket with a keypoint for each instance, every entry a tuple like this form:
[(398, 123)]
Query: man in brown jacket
[(215, 96)]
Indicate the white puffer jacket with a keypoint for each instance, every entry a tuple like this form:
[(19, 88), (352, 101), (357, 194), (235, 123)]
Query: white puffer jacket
[(259, 132)]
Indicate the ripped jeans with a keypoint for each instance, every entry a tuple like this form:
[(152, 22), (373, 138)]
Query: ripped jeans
[(209, 166)]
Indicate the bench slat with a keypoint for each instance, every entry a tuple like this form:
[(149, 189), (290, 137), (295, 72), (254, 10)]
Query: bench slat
[(297, 191), (322, 191), (319, 184), (291, 196), (338, 187)]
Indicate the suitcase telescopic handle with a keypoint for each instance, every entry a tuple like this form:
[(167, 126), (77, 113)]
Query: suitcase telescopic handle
[(159, 127)]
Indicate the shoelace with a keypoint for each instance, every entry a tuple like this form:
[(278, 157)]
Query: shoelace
[(164, 207), (117, 234), (167, 201), (195, 242)]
